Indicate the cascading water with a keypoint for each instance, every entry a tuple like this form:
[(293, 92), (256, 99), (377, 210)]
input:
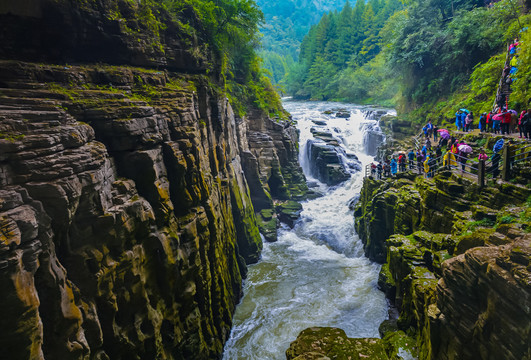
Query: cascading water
[(315, 274)]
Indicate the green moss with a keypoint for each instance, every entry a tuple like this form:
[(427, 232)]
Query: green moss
[(11, 137), (334, 344), (268, 224), (398, 341), (473, 225), (479, 237), (507, 219)]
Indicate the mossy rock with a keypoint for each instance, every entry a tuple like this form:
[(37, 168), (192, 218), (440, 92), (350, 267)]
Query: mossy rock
[(312, 356), (386, 282), (289, 211), (268, 224), (435, 242), (479, 237), (387, 326), (419, 294), (480, 212), (397, 342), (398, 240), (438, 258), (334, 343)]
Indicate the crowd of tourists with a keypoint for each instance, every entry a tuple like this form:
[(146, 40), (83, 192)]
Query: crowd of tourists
[(503, 122), (500, 120), (448, 153)]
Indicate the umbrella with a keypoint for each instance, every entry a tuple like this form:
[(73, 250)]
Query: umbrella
[(513, 112), (445, 135), (498, 117), (464, 110), (465, 148), (443, 130), (498, 146)]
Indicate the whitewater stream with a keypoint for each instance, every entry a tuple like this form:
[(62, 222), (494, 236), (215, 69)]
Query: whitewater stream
[(315, 274)]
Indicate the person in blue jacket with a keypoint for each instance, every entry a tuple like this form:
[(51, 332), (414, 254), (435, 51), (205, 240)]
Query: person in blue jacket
[(463, 118), (393, 166), (458, 120)]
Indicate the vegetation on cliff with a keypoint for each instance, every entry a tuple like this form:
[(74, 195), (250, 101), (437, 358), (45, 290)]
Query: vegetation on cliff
[(127, 184), (426, 57), (444, 244), (229, 28)]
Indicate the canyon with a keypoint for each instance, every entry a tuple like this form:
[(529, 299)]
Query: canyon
[(128, 187)]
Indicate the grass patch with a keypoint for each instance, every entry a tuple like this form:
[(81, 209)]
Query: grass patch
[(473, 225)]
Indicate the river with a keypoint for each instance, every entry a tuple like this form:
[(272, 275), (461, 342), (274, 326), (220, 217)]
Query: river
[(315, 274)]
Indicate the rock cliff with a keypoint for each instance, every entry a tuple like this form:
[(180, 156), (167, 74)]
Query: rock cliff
[(127, 191), (456, 263)]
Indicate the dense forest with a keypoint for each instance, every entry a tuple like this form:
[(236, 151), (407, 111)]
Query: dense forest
[(341, 40), (427, 56), (227, 36), (286, 24)]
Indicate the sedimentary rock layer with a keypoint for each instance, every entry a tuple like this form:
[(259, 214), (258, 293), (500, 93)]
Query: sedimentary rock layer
[(121, 221), (126, 193), (456, 263)]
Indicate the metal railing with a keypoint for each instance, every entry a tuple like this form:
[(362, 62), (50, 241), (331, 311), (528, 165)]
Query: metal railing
[(476, 169)]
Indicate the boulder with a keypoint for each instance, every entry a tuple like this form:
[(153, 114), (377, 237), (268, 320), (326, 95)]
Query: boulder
[(334, 344), (325, 163), (288, 212), (343, 114)]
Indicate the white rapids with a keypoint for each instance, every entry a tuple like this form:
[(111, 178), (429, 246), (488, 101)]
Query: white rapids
[(315, 274)]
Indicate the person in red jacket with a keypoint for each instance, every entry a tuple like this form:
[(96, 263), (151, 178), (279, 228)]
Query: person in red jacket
[(489, 121), (505, 123)]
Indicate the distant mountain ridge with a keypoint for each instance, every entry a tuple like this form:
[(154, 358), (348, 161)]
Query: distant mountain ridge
[(287, 22)]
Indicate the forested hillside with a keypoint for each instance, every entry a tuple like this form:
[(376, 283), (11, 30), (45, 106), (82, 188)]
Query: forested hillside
[(412, 54), (286, 24), (348, 39), (228, 30)]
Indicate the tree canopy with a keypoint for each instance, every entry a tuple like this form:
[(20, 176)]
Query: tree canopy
[(407, 53)]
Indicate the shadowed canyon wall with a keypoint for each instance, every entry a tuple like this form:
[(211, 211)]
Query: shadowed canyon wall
[(126, 193), (456, 262)]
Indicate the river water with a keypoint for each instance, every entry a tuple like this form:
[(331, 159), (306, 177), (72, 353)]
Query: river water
[(315, 274)]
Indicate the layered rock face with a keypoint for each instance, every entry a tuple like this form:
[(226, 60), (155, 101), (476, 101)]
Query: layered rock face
[(121, 238), (456, 263), (126, 218), (484, 297)]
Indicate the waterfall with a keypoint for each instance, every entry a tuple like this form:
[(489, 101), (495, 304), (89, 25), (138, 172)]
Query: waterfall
[(316, 273)]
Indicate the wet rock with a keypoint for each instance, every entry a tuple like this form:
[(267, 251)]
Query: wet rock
[(352, 202), (343, 114), (325, 163), (268, 223), (373, 138), (289, 212), (334, 344), (387, 326), (397, 343), (327, 137), (319, 122)]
